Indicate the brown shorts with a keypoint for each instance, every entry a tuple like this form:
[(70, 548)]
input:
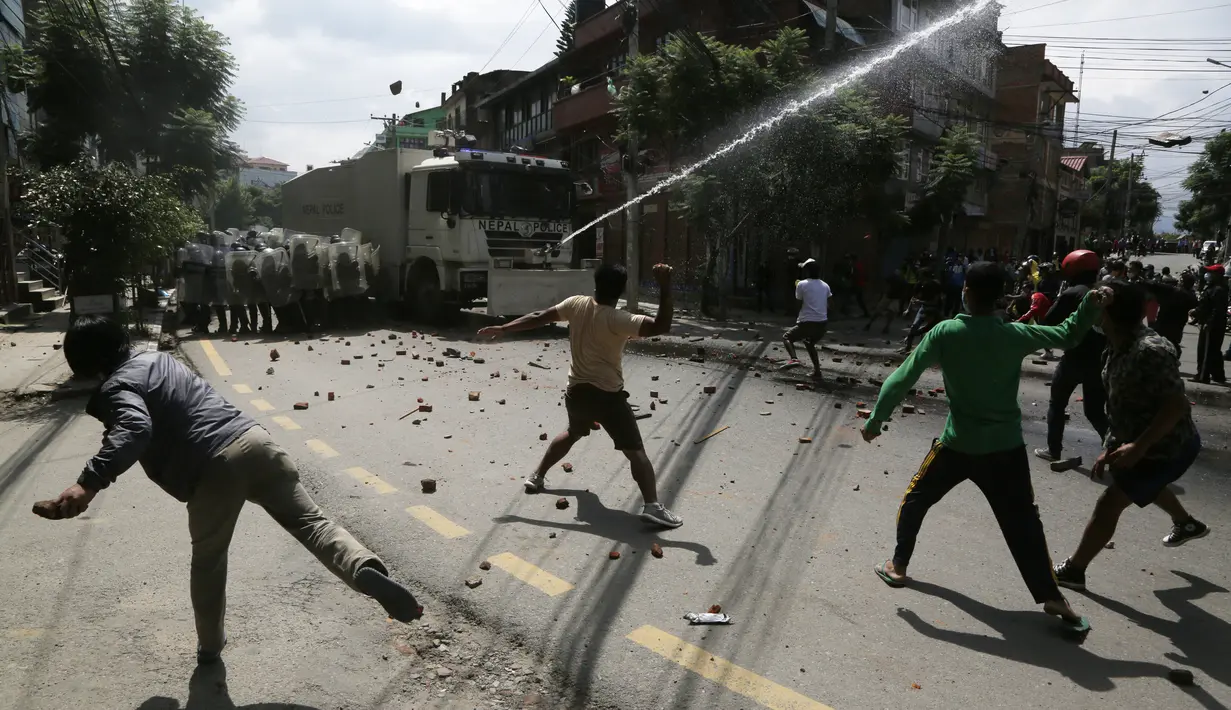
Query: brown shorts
[(587, 405), (808, 331)]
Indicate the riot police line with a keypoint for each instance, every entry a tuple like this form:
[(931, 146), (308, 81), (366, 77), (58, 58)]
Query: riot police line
[(274, 281)]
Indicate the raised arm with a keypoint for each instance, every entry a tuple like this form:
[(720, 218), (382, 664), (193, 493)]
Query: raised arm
[(666, 308), (1069, 333)]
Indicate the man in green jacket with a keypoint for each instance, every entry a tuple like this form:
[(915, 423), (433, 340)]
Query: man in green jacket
[(980, 358)]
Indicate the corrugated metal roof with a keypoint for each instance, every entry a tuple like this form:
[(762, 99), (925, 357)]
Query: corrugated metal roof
[(1075, 162)]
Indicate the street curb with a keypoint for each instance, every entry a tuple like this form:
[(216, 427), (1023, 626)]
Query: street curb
[(723, 352)]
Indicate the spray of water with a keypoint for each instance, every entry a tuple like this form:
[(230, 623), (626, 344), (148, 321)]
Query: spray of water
[(795, 106)]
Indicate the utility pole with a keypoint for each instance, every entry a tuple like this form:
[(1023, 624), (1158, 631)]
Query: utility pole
[(8, 240), (632, 218), (831, 24), (1128, 192), (1081, 77), (1111, 163)]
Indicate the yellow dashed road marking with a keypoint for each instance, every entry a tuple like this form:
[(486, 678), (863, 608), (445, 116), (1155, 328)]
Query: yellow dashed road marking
[(437, 522), (370, 479), (23, 633), (540, 579), (740, 680), (321, 449), (262, 405), (220, 365), (242, 389), (286, 423)]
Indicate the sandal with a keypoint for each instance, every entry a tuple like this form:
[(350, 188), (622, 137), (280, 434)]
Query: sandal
[(895, 582), (1078, 626)]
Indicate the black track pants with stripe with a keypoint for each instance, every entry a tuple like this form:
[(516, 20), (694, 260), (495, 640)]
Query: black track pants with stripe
[(1004, 479)]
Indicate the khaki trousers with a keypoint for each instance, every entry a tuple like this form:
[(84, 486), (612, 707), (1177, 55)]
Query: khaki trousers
[(254, 468)]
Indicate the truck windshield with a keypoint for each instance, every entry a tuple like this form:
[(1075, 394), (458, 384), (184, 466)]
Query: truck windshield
[(517, 194)]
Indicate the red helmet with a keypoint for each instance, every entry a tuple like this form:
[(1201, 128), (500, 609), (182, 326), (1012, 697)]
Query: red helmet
[(1079, 262)]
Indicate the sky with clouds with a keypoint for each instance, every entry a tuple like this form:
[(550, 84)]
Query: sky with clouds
[(311, 72)]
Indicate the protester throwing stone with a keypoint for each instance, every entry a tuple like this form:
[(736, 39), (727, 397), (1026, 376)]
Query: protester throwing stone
[(597, 334), (1153, 440), (206, 453), (980, 359)]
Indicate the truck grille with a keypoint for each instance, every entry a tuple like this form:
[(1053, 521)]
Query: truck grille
[(513, 244)]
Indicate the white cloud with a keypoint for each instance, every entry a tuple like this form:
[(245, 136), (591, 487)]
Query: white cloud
[(1127, 82), (312, 71), (341, 56)]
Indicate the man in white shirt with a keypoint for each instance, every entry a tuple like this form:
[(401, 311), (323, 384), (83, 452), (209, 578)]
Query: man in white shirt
[(813, 319), (597, 334)]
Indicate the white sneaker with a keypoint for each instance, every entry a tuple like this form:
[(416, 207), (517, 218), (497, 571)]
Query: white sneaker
[(659, 515), (535, 484), (1046, 455)]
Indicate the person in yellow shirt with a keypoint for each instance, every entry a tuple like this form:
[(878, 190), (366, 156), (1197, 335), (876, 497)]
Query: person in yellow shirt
[(597, 333)]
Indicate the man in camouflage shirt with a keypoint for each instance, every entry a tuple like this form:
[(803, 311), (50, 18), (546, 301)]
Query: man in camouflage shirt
[(1152, 440)]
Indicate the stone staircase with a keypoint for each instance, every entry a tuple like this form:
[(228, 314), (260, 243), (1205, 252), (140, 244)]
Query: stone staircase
[(41, 298)]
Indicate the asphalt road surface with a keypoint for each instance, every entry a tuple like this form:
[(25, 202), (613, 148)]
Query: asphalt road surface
[(780, 532)]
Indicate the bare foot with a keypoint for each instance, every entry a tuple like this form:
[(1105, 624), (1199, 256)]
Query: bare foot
[(1062, 609)]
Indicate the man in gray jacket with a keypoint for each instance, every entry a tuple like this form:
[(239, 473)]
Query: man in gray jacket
[(206, 453)]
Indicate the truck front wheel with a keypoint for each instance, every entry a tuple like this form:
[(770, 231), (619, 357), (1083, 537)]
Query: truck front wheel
[(424, 298)]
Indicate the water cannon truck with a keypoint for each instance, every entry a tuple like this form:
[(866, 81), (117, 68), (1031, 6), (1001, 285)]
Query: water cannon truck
[(455, 226)]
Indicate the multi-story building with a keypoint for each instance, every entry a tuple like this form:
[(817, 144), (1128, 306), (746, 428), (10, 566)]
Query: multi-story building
[(1072, 193), (13, 112), (953, 83), (518, 118), (14, 119), (461, 106), (264, 172), (1028, 135), (585, 127)]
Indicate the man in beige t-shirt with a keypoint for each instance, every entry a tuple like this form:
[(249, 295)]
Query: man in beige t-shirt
[(597, 334)]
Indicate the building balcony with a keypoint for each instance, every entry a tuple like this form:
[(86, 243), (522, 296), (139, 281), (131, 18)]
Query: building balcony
[(987, 159), (926, 125), (529, 132), (604, 25), (582, 107)]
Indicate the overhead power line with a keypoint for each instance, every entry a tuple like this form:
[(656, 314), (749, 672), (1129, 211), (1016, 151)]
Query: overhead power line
[(524, 16), (1036, 7), (1129, 17)]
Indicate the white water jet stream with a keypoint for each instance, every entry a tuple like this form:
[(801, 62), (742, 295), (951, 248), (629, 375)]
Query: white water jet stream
[(793, 107)]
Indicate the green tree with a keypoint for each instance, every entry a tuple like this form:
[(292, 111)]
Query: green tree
[(815, 172), (266, 205), (144, 82), (1104, 211), (568, 26), (1208, 212), (233, 206), (115, 222), (950, 176)]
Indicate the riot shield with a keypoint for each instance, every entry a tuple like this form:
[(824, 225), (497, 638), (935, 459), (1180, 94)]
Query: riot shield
[(216, 284), (197, 261), (181, 283), (371, 261), (347, 272), (306, 262), (274, 269), (240, 286)]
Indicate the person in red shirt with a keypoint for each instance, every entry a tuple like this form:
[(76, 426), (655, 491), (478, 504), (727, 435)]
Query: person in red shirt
[(1039, 305), (859, 278)]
